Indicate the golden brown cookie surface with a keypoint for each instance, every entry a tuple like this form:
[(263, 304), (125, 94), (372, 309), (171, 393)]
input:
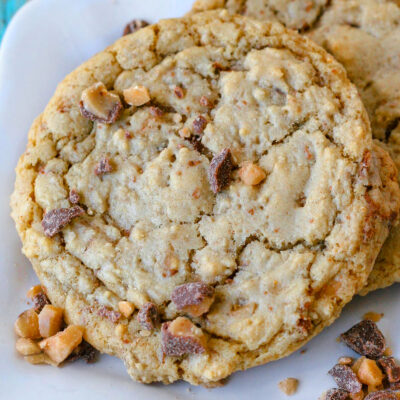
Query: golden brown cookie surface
[(234, 167)]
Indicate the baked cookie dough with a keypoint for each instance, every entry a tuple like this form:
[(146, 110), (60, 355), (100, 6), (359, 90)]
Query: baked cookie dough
[(364, 36), (204, 196)]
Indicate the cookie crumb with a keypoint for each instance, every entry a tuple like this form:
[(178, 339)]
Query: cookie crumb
[(345, 361), (289, 386)]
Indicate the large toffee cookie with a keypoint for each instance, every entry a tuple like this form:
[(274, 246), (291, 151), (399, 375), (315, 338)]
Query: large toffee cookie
[(364, 35), (204, 196)]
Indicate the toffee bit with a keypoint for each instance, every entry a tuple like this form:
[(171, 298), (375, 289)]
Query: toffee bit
[(195, 140), (134, 26), (391, 368), (103, 167), (111, 315), (366, 339), (382, 395), (220, 170), (194, 298), (199, 124), (55, 220), (205, 102), (179, 93), (98, 104), (84, 351), (148, 316), (156, 112), (345, 378), (73, 196), (39, 301), (180, 337), (337, 394)]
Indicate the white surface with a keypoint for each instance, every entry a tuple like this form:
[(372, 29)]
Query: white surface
[(45, 41)]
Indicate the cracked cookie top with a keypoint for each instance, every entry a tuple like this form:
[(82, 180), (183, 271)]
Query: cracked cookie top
[(364, 36), (203, 196)]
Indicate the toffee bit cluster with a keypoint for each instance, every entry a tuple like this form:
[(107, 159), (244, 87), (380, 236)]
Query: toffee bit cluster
[(43, 337), (374, 376)]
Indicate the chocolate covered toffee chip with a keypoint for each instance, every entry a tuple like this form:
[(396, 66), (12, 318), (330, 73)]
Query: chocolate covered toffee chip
[(148, 316), (345, 378), (181, 336), (193, 298), (337, 394), (220, 170), (54, 220), (134, 26), (382, 395), (366, 339), (98, 104), (391, 368)]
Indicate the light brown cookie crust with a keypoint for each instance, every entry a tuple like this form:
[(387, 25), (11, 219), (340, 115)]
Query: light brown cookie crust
[(279, 282), (363, 36)]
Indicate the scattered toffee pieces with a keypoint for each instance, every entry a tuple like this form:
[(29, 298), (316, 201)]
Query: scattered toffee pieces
[(199, 124), (220, 170), (178, 344), (39, 301), (366, 339), (73, 197), (134, 26), (195, 298), (391, 368), (85, 351), (42, 338), (148, 316), (382, 395), (345, 378), (54, 220), (103, 167), (357, 378), (337, 394)]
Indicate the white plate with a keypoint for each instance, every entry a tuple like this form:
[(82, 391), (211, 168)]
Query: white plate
[(45, 41)]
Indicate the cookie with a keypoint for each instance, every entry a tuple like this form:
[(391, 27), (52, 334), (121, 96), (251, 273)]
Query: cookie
[(204, 196), (295, 14), (364, 36)]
